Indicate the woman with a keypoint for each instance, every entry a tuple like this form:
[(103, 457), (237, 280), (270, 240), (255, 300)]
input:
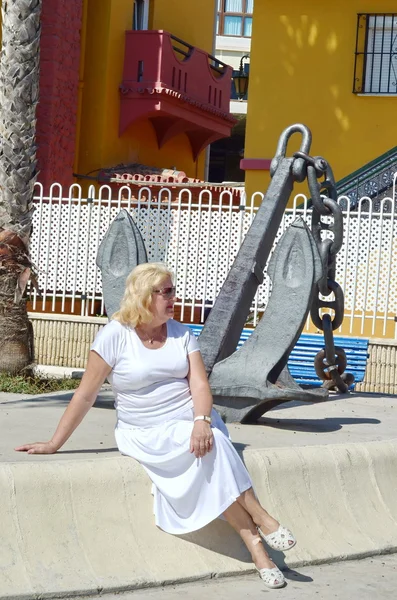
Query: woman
[(165, 420)]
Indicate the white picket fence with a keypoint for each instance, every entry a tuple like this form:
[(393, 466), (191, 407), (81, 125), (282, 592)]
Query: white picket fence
[(199, 237)]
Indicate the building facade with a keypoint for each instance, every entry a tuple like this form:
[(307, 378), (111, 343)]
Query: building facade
[(331, 66), (130, 82)]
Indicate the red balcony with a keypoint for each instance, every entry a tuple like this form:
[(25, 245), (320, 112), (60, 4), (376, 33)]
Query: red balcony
[(179, 88)]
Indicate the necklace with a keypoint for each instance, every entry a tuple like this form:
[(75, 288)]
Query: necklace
[(152, 339)]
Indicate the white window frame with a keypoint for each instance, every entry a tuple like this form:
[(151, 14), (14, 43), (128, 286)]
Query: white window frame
[(222, 14)]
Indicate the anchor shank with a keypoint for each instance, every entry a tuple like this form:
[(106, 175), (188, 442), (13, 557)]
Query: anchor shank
[(222, 330)]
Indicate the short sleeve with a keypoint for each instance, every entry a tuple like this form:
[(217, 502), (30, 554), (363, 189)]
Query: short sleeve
[(108, 342), (192, 343)]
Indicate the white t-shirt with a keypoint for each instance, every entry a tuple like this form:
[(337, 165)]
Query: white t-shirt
[(150, 386)]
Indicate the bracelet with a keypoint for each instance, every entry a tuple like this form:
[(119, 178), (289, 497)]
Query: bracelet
[(203, 418)]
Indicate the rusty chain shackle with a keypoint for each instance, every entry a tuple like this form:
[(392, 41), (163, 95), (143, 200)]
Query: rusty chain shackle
[(330, 363)]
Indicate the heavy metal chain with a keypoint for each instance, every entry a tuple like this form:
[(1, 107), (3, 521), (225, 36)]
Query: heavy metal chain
[(329, 363)]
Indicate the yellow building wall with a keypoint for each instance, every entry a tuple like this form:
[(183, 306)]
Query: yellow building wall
[(302, 67), (301, 71), (191, 20), (99, 143)]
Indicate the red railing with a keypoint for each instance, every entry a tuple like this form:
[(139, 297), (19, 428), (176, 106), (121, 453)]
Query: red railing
[(160, 61)]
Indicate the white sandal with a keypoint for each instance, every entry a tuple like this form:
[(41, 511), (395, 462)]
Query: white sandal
[(272, 578), (282, 539)]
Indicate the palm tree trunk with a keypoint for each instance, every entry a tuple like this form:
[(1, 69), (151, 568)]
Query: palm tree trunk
[(19, 91)]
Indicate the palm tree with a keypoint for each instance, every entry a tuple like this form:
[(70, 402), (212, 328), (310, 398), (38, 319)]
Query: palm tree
[(19, 91)]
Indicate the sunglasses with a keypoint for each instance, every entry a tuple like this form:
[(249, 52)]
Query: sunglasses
[(168, 292)]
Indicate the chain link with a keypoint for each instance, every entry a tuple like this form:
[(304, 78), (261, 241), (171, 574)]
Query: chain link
[(330, 363)]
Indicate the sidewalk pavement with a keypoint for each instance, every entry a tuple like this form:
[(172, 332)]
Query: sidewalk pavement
[(367, 579), (357, 418), (82, 520)]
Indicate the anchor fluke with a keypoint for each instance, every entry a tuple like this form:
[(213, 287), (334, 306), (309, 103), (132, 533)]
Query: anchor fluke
[(247, 383), (120, 251)]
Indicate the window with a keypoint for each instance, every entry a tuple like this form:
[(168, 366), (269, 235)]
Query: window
[(141, 15), (235, 17), (375, 69)]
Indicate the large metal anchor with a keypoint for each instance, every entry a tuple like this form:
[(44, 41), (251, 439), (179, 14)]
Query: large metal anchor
[(248, 382)]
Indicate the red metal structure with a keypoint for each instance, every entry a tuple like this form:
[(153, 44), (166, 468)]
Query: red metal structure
[(179, 88)]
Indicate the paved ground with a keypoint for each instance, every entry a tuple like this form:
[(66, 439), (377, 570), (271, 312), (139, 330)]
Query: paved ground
[(369, 579), (340, 420)]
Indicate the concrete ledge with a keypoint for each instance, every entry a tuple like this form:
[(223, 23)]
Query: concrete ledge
[(380, 374), (64, 340), (74, 527)]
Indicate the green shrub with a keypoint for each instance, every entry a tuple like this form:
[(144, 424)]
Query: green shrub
[(24, 384)]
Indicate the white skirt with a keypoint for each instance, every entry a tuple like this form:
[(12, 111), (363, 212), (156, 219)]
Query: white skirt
[(189, 492)]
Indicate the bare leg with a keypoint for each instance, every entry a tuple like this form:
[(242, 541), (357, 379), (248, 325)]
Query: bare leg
[(259, 515), (242, 522)]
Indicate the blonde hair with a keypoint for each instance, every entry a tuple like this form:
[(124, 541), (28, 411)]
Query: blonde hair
[(135, 304)]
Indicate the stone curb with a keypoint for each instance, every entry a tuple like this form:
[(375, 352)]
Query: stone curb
[(84, 527)]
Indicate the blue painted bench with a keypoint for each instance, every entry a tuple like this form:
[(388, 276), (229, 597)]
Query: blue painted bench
[(301, 360)]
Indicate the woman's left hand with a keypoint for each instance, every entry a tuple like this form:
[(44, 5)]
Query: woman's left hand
[(202, 439)]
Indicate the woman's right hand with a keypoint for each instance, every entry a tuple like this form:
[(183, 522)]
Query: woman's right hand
[(38, 448)]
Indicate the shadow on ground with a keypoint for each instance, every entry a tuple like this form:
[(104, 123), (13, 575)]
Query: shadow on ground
[(332, 397), (88, 451), (104, 400), (325, 425), (217, 537)]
